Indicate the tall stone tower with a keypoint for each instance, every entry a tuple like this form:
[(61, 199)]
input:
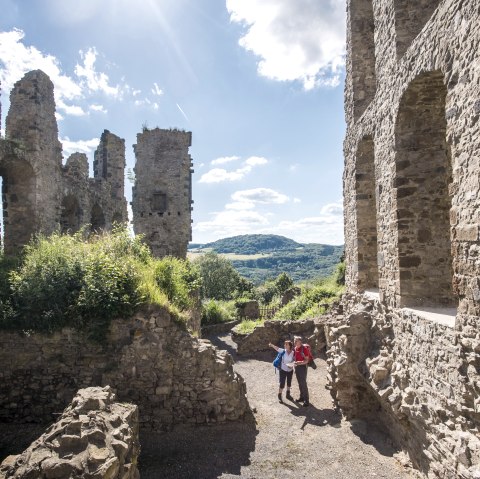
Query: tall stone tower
[(109, 165), (162, 195), (31, 179)]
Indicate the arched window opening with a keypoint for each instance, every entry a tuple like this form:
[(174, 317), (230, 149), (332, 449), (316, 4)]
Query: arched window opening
[(70, 221), (423, 175), (18, 199), (97, 219), (362, 52), (366, 210), (410, 18)]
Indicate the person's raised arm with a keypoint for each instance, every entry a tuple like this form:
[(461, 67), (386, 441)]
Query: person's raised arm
[(270, 345)]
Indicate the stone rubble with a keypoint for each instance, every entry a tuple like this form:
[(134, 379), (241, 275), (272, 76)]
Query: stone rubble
[(95, 438)]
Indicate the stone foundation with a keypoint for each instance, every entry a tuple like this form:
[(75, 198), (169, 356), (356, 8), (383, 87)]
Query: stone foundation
[(416, 375), (148, 360), (96, 437)]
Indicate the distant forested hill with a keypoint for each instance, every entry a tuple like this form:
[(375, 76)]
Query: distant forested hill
[(259, 257)]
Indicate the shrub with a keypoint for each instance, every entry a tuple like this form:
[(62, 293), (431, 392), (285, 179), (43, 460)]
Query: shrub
[(70, 281), (214, 312), (308, 303)]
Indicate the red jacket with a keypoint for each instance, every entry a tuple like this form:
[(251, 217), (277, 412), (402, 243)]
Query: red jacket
[(303, 353)]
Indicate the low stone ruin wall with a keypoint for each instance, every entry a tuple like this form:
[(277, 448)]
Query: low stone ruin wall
[(220, 328), (311, 330), (420, 377), (95, 437), (148, 360)]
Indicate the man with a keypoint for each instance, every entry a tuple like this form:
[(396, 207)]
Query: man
[(302, 357)]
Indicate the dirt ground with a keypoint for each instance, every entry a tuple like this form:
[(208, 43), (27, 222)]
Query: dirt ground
[(278, 441)]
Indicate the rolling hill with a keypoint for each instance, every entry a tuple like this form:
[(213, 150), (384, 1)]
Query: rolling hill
[(259, 257)]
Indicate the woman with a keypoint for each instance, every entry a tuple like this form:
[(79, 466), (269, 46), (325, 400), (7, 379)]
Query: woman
[(286, 371)]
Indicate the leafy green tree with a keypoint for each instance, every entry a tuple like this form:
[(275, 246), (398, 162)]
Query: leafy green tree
[(283, 282), (220, 280)]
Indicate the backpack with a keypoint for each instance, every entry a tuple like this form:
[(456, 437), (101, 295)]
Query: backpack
[(277, 362), (311, 362)]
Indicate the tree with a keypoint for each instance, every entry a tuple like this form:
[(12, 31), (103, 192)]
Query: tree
[(219, 278), (283, 282)]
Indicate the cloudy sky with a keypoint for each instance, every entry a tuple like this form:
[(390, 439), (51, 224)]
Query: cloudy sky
[(258, 82)]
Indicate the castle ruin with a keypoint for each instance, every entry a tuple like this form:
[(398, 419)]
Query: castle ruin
[(41, 195), (407, 346)]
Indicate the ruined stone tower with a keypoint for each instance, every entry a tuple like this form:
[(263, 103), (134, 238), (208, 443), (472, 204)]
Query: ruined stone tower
[(162, 195), (39, 193), (408, 344)]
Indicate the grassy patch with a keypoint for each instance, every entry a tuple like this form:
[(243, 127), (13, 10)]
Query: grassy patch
[(248, 325)]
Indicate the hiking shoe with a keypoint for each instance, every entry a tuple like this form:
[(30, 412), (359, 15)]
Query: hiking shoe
[(289, 396), (280, 398)]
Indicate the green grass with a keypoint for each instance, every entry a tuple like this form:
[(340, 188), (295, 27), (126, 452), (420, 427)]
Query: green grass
[(248, 325)]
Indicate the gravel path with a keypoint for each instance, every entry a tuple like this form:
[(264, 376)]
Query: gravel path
[(279, 441)]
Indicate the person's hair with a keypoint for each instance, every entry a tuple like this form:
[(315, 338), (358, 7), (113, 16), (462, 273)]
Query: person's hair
[(289, 343), (297, 337)]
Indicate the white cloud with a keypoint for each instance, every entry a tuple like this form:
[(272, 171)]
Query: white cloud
[(224, 159), (73, 110), (136, 92), (98, 108), (156, 90), (256, 161), (293, 167), (16, 59), (300, 40), (82, 146), (95, 81), (297, 200), (260, 195), (220, 175), (240, 205), (231, 223)]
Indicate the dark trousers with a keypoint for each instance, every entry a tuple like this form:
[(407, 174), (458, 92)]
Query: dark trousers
[(301, 374), (284, 375)]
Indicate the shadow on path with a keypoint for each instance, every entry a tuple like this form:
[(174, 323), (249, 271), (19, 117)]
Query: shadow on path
[(372, 433), (204, 452), (314, 416)]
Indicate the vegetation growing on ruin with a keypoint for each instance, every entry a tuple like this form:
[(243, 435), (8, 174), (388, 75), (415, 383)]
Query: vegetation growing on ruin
[(65, 280)]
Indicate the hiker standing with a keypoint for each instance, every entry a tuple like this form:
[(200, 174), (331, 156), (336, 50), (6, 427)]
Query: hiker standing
[(286, 372), (303, 356)]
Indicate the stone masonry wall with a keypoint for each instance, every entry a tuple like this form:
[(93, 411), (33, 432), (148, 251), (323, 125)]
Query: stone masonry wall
[(276, 332), (39, 193), (148, 360), (412, 229), (162, 196), (95, 437), (416, 375)]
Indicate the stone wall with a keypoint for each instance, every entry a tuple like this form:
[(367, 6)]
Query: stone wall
[(413, 373), (411, 200), (40, 194), (276, 332), (148, 360), (94, 437), (162, 195)]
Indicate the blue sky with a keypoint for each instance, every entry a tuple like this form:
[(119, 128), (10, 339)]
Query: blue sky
[(258, 82)]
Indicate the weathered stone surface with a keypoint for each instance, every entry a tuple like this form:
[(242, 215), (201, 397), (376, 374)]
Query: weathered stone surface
[(162, 195), (411, 197), (39, 194), (276, 332), (58, 454), (149, 360)]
